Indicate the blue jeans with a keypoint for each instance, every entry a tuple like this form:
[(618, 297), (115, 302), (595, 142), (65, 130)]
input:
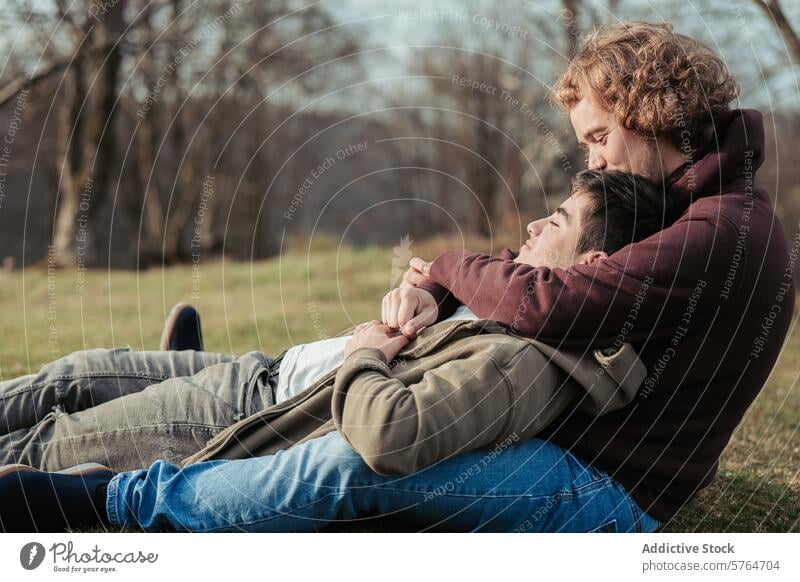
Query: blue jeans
[(533, 486)]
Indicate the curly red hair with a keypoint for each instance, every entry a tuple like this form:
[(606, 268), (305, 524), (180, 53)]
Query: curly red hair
[(653, 80)]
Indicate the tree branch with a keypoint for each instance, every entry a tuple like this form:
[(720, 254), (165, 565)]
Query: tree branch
[(774, 10), (10, 91)]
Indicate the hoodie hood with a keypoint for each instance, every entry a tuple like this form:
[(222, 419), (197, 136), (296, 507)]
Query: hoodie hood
[(738, 148)]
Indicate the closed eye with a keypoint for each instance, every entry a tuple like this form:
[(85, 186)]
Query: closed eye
[(554, 223), (604, 137)]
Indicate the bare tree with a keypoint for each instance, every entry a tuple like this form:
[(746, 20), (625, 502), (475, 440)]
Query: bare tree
[(774, 11), (174, 78)]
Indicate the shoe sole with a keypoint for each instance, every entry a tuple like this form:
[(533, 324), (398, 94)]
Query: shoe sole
[(169, 325), (84, 469)]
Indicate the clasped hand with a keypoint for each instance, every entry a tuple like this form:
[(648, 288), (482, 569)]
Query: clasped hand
[(405, 312), (409, 308)]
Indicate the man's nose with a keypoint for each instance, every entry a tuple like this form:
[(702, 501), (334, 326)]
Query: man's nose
[(535, 227), (596, 161)]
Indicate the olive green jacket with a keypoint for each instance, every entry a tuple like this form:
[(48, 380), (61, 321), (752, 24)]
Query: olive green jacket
[(460, 385)]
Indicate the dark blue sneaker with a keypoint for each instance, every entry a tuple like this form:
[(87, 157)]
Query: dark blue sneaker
[(182, 330), (36, 501)]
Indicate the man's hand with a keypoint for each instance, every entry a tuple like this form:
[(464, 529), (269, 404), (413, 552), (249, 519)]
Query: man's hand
[(418, 271), (409, 309), (374, 334)]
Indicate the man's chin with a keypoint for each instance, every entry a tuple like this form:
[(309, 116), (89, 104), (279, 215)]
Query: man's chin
[(524, 257)]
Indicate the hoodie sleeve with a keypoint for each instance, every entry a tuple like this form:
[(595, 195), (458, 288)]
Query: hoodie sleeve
[(447, 302), (644, 289)]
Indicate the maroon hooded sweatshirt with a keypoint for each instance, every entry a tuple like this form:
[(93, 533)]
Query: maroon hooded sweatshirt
[(707, 303)]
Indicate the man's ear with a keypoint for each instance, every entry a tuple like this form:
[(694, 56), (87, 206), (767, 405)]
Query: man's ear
[(590, 257)]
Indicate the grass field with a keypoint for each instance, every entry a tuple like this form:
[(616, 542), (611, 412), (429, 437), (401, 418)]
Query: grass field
[(310, 294)]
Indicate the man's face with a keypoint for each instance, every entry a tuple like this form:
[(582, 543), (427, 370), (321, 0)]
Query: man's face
[(553, 240), (609, 146)]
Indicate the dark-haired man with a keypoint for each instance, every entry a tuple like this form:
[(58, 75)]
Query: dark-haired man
[(395, 415)]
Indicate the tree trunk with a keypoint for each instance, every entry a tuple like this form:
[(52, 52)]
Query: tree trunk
[(152, 218), (87, 117), (181, 203), (151, 221), (484, 179), (102, 169), (775, 13), (67, 205)]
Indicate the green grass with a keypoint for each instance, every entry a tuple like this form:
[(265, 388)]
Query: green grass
[(308, 294)]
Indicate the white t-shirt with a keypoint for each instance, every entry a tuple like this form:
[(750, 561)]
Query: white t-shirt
[(304, 364)]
